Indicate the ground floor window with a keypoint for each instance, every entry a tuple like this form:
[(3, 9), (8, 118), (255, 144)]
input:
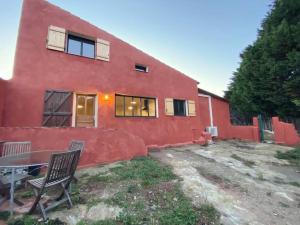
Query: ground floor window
[(133, 106), (85, 110), (179, 107)]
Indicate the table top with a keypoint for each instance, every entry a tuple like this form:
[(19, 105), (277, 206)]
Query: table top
[(34, 158)]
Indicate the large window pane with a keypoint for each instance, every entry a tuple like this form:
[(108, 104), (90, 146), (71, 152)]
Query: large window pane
[(152, 107), (81, 46), (132, 106), (88, 50), (74, 46), (136, 106), (119, 105), (128, 106), (179, 107), (145, 107)]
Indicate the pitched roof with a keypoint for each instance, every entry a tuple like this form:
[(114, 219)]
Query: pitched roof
[(201, 91)]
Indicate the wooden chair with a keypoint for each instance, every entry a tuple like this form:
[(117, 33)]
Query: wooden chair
[(76, 145), (61, 170), (14, 149)]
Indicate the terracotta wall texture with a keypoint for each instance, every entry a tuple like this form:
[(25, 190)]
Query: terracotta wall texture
[(285, 133)]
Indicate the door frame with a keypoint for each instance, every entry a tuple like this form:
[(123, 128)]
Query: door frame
[(75, 104)]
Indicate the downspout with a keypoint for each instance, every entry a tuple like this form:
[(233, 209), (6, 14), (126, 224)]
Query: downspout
[(209, 108)]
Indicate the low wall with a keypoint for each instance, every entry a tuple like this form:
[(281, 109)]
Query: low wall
[(249, 133), (2, 95), (102, 145), (285, 133)]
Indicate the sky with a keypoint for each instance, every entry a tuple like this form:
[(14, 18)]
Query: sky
[(201, 38)]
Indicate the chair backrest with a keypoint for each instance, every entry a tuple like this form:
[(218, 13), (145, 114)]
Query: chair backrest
[(15, 148), (62, 167), (76, 145)]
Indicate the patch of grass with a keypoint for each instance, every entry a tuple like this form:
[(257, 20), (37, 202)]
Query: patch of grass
[(260, 176), (209, 215), (4, 215), (246, 162), (144, 169), (84, 175), (163, 204), (92, 202), (100, 222), (282, 204), (29, 220), (100, 178), (27, 194), (294, 183), (293, 156)]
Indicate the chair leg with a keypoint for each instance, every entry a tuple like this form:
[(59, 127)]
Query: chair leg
[(38, 202), (37, 199), (67, 194)]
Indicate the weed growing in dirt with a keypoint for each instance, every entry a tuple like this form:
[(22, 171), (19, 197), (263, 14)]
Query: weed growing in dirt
[(293, 156), (260, 176), (244, 161)]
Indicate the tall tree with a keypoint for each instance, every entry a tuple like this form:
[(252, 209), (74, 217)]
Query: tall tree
[(268, 78)]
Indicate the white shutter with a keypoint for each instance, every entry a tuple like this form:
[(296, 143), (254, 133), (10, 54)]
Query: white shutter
[(169, 107), (191, 108), (56, 38), (102, 50)]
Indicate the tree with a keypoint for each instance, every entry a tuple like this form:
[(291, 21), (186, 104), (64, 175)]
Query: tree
[(267, 80)]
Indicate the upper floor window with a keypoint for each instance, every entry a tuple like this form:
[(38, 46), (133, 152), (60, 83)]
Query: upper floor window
[(179, 107), (141, 68), (81, 46), (132, 106)]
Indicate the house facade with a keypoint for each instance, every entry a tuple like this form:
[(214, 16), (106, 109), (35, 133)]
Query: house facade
[(72, 80)]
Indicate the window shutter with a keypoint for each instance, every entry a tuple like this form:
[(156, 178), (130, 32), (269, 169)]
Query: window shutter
[(57, 108), (102, 51), (191, 108), (169, 107), (56, 38)]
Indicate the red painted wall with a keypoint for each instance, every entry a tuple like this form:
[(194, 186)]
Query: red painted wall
[(36, 69), (285, 133), (221, 119), (2, 98), (101, 145)]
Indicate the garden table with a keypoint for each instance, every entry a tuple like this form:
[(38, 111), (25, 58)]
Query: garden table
[(33, 158)]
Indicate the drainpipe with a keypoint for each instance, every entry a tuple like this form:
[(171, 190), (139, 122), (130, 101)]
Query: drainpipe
[(209, 108)]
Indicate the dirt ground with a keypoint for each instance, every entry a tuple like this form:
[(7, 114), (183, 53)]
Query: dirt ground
[(244, 181)]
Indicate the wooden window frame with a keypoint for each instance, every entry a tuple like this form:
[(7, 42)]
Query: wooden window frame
[(81, 40), (140, 97), (75, 104)]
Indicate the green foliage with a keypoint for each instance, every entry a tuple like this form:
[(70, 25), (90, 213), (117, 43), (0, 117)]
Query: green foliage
[(101, 222), (4, 215), (268, 78), (29, 220), (293, 156)]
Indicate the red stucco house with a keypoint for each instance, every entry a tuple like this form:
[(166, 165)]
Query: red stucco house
[(72, 80)]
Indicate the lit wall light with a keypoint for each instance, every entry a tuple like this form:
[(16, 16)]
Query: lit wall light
[(106, 97)]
